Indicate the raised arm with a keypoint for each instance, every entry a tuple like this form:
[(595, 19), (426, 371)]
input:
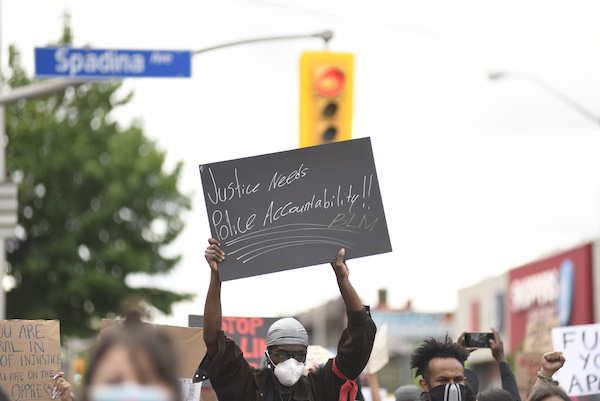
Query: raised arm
[(349, 295), (509, 383), (212, 307), (373, 382), (356, 341), (551, 362), (497, 347)]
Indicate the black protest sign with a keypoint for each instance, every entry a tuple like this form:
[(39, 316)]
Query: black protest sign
[(297, 208), (249, 333)]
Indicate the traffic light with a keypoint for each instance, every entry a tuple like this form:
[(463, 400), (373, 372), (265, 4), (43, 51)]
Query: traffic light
[(325, 97), (77, 371)]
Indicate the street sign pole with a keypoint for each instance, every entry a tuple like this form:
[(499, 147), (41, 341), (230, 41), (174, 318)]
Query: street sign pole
[(2, 179), (8, 190)]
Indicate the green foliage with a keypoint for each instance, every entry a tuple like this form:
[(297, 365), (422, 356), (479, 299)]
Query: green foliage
[(94, 206)]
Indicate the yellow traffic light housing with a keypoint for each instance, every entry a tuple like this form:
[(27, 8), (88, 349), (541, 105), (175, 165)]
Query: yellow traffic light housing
[(325, 97), (77, 371)]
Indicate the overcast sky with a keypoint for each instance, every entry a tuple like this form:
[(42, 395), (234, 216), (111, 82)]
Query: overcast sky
[(477, 176)]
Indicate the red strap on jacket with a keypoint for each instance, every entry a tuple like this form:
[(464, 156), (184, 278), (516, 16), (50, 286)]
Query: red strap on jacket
[(350, 387)]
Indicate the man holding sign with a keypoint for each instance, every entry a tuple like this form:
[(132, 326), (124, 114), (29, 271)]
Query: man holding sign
[(280, 378)]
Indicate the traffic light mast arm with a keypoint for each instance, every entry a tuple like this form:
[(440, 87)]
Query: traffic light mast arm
[(46, 87), (325, 35)]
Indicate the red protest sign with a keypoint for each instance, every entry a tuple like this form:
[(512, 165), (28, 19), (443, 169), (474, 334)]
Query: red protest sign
[(249, 333)]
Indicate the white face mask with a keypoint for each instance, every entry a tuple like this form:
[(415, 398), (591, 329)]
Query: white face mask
[(288, 372), (128, 391)]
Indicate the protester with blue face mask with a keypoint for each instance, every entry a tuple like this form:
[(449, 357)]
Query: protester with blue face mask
[(442, 367), (279, 376), (133, 362)]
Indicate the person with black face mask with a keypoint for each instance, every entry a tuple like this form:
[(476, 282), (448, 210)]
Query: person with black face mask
[(279, 377), (442, 367)]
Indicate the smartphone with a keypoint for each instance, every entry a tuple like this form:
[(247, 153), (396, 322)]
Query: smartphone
[(479, 340)]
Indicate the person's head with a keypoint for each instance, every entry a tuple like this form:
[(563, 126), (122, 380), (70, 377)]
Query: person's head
[(440, 363), (134, 361), (287, 342), (495, 394), (472, 381), (408, 392), (548, 393)]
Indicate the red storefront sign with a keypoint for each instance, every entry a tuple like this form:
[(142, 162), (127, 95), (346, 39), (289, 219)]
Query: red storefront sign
[(558, 286)]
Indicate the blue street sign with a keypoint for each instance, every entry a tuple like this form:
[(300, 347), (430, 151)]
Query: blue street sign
[(69, 62)]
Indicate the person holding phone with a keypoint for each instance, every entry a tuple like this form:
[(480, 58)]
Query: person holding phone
[(279, 377), (442, 367), (509, 383)]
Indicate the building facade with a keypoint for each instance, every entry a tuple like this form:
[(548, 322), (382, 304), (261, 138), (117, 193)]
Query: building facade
[(562, 289)]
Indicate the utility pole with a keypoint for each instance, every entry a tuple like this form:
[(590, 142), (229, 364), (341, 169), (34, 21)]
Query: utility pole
[(8, 190)]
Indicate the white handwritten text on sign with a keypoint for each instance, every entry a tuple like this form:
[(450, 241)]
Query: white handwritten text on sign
[(297, 208)]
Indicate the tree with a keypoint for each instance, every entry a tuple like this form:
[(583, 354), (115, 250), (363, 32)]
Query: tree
[(94, 206)]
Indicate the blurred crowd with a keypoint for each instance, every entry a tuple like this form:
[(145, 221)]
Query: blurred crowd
[(137, 362)]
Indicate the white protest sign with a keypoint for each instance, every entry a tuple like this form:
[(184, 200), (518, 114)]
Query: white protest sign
[(190, 391), (379, 355), (580, 345), (318, 354)]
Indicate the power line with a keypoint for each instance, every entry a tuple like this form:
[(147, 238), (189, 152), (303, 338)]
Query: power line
[(285, 7)]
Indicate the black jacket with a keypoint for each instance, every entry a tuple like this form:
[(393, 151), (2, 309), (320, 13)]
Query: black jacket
[(233, 379)]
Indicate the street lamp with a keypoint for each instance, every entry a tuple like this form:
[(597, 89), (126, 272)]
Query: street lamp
[(494, 76)]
